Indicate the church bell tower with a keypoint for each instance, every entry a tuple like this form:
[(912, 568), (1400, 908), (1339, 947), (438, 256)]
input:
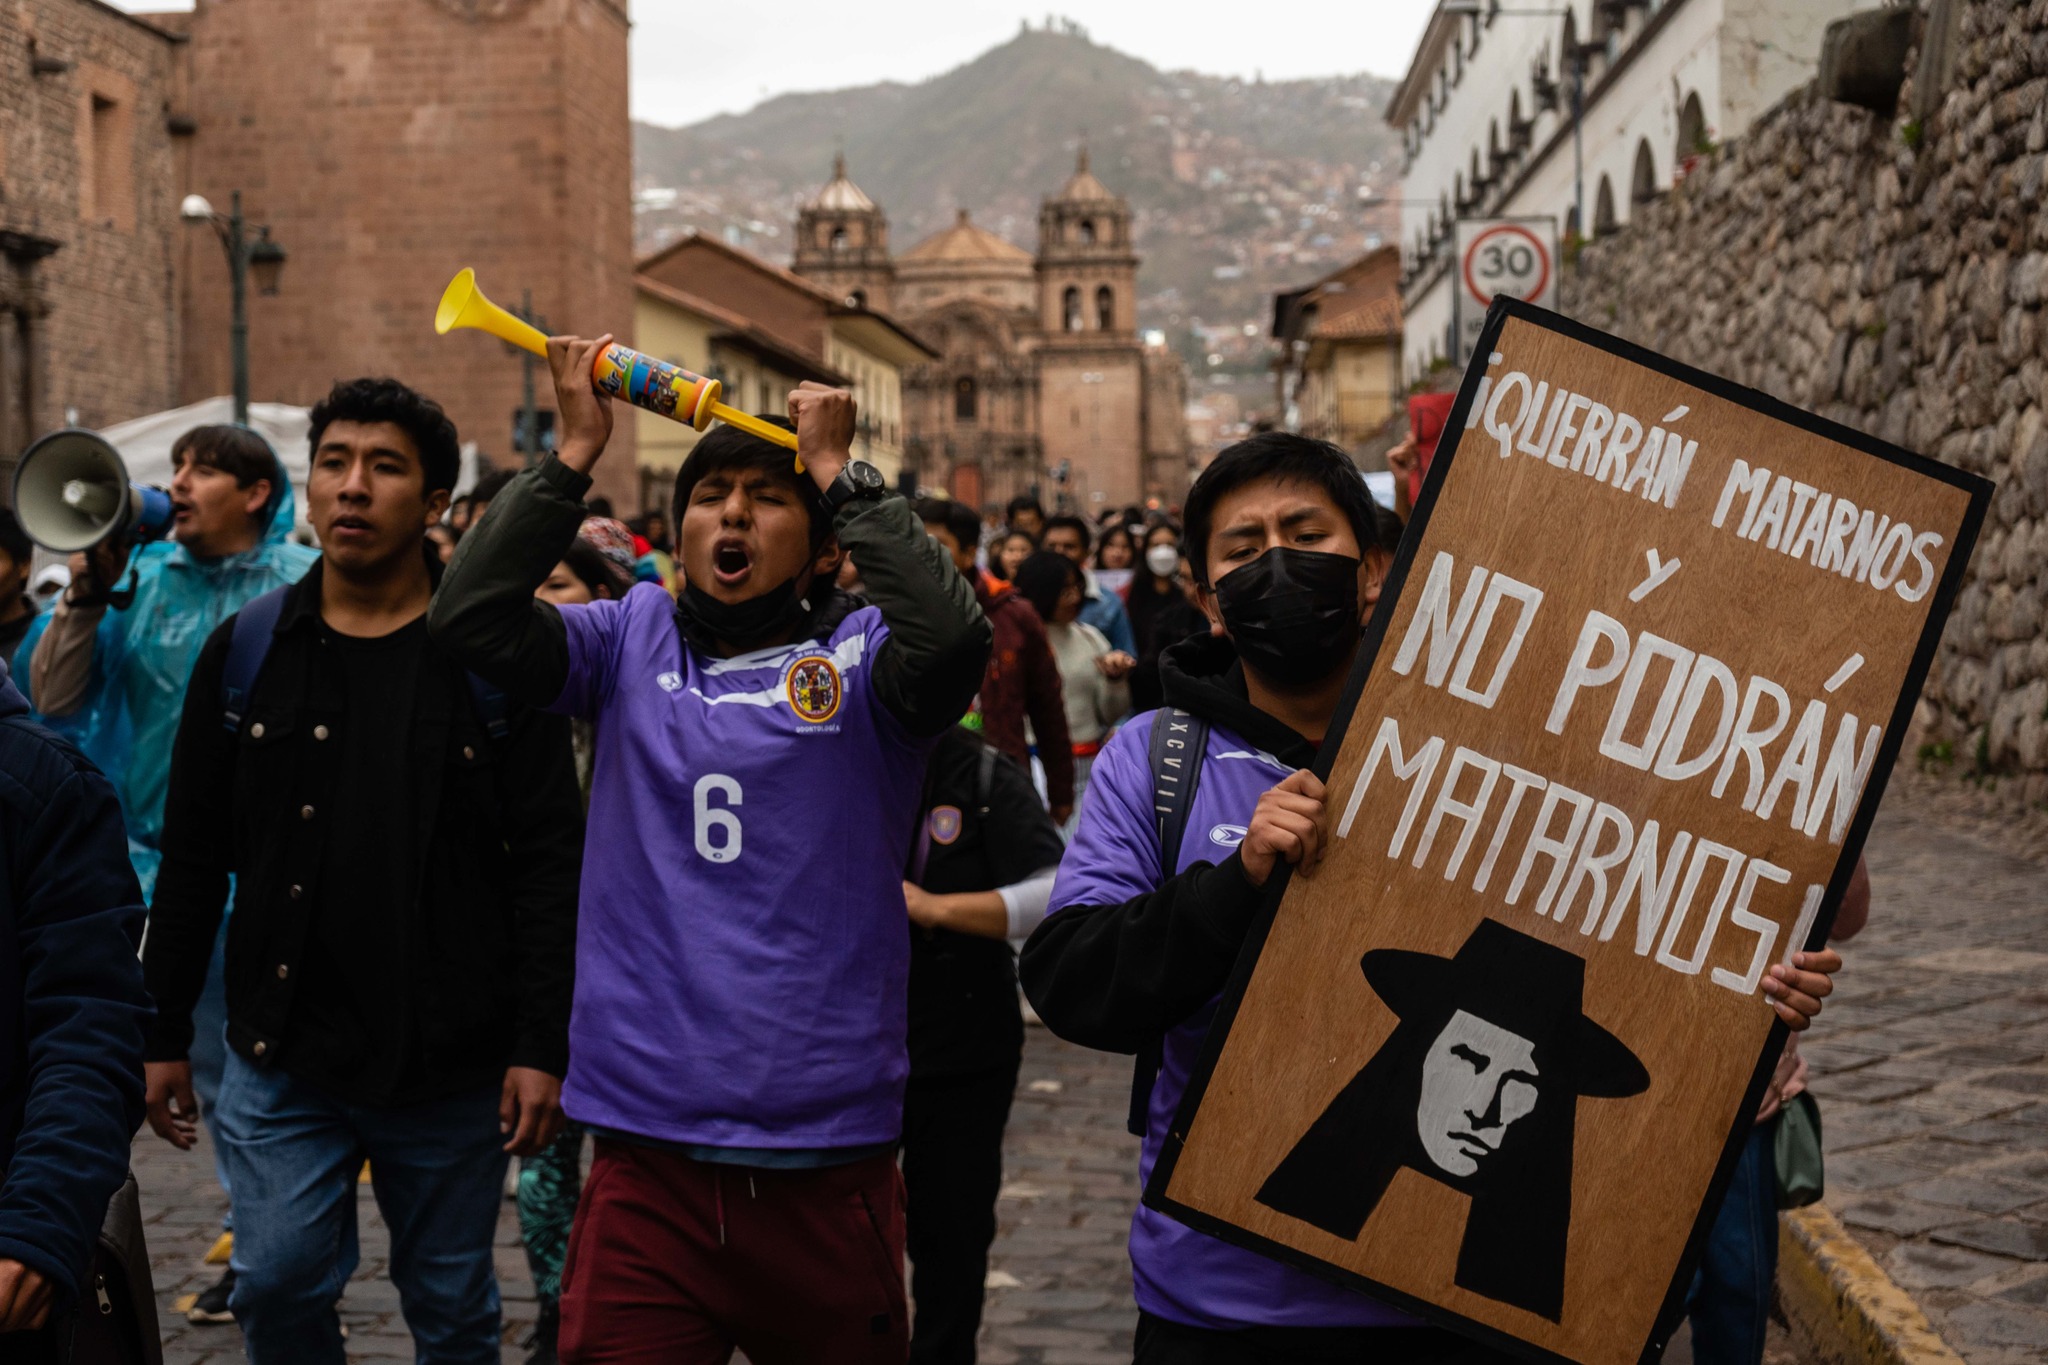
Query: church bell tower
[(1087, 269), (842, 243)]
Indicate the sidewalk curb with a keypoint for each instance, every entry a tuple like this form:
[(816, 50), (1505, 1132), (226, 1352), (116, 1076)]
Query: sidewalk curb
[(1841, 1305)]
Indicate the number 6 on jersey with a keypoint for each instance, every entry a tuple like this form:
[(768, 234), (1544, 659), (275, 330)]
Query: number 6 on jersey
[(711, 818)]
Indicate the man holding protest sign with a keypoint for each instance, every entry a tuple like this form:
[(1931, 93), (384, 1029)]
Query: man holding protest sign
[(1594, 801), (1162, 885)]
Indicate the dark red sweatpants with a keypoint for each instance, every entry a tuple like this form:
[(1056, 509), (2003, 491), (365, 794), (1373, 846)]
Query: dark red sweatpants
[(677, 1262)]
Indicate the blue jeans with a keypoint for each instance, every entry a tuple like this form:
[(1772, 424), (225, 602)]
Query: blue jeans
[(293, 1153), (1730, 1302)]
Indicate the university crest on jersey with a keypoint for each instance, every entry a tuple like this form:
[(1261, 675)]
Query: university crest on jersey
[(815, 689)]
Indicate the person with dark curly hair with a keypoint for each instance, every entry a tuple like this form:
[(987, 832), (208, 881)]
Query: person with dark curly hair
[(404, 843)]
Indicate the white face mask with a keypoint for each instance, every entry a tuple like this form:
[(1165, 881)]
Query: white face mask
[(1163, 560), (1477, 1080)]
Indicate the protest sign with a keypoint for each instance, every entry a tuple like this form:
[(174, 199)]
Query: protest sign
[(1611, 748)]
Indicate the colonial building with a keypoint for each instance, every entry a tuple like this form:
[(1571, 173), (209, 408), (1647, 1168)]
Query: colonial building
[(1338, 374), (387, 144), (1486, 117), (867, 351), (1042, 382), (90, 116)]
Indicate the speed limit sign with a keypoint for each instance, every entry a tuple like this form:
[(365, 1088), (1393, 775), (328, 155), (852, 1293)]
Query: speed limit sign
[(1512, 256)]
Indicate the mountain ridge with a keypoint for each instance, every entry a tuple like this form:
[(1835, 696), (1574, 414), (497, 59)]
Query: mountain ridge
[(1236, 187)]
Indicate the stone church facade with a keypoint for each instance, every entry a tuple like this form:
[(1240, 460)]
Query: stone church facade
[(1043, 382)]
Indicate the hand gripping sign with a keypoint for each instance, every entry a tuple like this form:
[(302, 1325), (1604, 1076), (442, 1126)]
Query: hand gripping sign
[(1611, 748)]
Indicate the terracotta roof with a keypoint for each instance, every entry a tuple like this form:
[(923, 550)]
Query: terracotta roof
[(1083, 187), (1380, 317), (739, 330), (694, 238), (841, 194), (964, 242)]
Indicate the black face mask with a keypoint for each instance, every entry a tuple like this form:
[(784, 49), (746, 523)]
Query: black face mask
[(1293, 614), (752, 624)]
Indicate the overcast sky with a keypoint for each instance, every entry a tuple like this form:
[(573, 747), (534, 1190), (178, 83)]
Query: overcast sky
[(692, 60)]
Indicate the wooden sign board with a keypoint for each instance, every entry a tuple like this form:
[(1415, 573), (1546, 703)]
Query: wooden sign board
[(1610, 750)]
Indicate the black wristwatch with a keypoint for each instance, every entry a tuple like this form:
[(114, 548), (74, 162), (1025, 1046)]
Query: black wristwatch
[(858, 479)]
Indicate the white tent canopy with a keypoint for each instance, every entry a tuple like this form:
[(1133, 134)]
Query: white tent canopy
[(145, 443)]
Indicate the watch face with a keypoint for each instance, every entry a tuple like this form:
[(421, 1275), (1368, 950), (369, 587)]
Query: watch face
[(864, 477)]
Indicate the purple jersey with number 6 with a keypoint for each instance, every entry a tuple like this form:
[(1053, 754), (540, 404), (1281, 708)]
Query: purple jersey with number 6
[(1178, 1273), (741, 956)]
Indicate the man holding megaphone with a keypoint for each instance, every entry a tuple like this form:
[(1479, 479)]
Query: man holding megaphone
[(231, 514)]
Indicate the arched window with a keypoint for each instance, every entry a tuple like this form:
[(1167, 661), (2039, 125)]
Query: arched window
[(1643, 183), (1603, 208), (963, 399), (1070, 309), (1571, 222), (1692, 127), (838, 239), (1105, 309), (1087, 231)]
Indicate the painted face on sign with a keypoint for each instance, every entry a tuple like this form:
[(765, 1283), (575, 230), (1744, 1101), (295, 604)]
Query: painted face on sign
[(1477, 1079)]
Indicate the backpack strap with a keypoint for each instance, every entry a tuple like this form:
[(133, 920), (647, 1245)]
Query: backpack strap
[(985, 778), (248, 646), (1179, 739)]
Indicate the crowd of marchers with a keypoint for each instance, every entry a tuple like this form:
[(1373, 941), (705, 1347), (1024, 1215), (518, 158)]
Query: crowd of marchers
[(684, 861)]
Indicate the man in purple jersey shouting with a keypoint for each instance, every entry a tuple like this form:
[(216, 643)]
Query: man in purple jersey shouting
[(737, 1046), (1289, 552)]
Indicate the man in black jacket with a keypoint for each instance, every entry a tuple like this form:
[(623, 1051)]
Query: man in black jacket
[(406, 846), (980, 873), (72, 1012)]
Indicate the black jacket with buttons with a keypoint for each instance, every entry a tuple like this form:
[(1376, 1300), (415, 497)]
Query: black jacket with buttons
[(485, 955)]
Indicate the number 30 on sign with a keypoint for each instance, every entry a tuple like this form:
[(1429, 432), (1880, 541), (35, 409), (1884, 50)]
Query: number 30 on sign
[(1516, 257)]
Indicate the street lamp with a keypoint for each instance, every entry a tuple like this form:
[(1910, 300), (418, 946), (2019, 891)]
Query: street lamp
[(261, 259), (1479, 9)]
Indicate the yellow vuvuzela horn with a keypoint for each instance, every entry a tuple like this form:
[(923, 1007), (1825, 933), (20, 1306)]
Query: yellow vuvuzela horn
[(620, 371)]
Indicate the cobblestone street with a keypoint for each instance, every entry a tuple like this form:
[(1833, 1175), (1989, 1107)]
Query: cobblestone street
[(1931, 1066), (1932, 1070)]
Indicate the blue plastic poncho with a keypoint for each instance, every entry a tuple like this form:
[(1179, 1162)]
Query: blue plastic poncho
[(143, 657)]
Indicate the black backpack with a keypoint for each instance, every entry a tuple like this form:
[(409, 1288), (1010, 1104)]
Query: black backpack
[(1179, 739)]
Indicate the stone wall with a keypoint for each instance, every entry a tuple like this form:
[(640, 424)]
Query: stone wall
[(88, 209), (1888, 272)]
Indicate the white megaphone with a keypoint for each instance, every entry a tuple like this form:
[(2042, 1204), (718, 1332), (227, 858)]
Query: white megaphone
[(71, 491)]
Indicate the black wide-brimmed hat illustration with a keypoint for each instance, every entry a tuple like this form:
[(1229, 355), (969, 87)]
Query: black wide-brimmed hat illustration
[(1477, 1087)]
